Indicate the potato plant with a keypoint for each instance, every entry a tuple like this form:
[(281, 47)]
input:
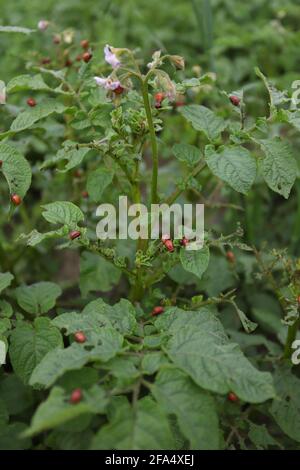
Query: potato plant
[(145, 344)]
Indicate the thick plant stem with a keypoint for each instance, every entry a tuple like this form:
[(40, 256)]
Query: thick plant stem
[(154, 195), (291, 336)]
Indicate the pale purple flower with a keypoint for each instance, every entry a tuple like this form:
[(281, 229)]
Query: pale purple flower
[(43, 25), (107, 83), (110, 57)]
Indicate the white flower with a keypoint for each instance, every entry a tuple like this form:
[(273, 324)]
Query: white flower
[(43, 25), (107, 83), (110, 57)]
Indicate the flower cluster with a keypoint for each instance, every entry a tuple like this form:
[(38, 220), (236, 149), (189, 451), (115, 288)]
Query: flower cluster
[(109, 83)]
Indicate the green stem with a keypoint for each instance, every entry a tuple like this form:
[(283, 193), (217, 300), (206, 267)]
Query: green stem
[(172, 198), (154, 195), (291, 336)]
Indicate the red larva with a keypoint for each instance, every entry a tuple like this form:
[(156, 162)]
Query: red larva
[(56, 39), (74, 234), (85, 194), (16, 199), (84, 44), (230, 256), (167, 242), (80, 337), (158, 99), (76, 396), (169, 245), (86, 56), (232, 397), (31, 102), (235, 100), (184, 241), (78, 173), (45, 61), (157, 310)]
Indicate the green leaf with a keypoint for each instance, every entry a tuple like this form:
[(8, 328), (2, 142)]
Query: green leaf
[(203, 119), (175, 318), (152, 362), (42, 110), (279, 167), (29, 344), (234, 165), (261, 438), (58, 410), (34, 238), (10, 437), (277, 97), (121, 315), (82, 378), (27, 82), (71, 155), (248, 325), (59, 361), (16, 170), (186, 153), (145, 427), (286, 408), (6, 309), (250, 341), (220, 368), (292, 117), (194, 408), (195, 261), (4, 416), (98, 181), (16, 29), (38, 298), (5, 325), (63, 212), (88, 323), (199, 346), (123, 368), (16, 396), (5, 280), (97, 274)]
